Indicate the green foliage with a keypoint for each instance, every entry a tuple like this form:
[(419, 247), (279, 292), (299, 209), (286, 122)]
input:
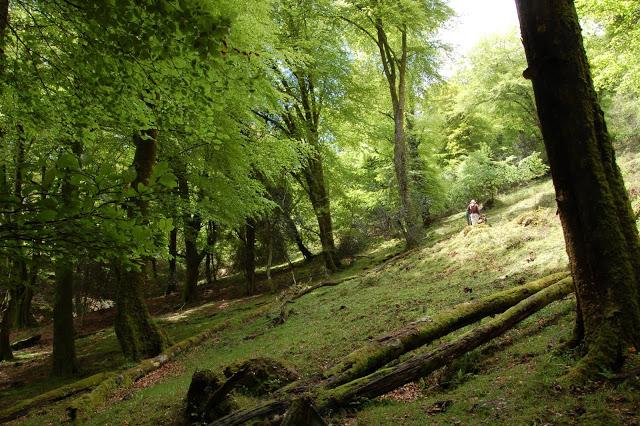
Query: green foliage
[(481, 176)]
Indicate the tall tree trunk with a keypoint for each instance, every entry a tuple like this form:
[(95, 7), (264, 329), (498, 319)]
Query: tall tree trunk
[(137, 333), (22, 294), (5, 329), (64, 348), (316, 187), (599, 226), (193, 258), (417, 170), (212, 237), (395, 70), (249, 255), (172, 284)]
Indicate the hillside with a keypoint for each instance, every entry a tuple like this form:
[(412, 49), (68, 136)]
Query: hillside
[(512, 380)]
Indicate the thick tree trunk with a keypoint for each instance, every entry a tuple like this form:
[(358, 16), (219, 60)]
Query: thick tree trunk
[(137, 333), (64, 350), (172, 284), (417, 170), (314, 177), (599, 226)]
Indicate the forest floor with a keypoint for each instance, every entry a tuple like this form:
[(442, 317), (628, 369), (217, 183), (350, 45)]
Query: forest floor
[(511, 380)]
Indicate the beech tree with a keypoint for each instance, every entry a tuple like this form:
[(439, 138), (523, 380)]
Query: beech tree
[(599, 226), (403, 33)]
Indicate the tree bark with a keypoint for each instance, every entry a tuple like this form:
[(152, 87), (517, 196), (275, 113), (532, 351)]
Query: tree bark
[(294, 234), (137, 333), (594, 208)]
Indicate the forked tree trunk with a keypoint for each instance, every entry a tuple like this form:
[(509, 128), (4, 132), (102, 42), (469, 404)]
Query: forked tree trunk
[(598, 223), (137, 333)]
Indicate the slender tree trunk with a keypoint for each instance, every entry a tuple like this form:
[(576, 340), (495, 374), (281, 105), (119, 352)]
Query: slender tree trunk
[(599, 226), (395, 70), (249, 255), (314, 176), (294, 234), (137, 333), (417, 169), (172, 284)]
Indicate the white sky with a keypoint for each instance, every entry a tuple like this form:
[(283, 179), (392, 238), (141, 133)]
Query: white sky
[(476, 19)]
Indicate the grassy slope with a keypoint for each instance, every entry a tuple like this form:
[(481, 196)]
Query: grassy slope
[(510, 381)]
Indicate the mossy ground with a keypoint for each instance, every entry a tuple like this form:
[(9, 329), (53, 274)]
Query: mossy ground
[(512, 380)]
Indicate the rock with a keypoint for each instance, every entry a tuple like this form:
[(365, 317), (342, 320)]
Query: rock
[(261, 376)]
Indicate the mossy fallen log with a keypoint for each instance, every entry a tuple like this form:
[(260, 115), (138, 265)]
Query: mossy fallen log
[(87, 403), (282, 317), (99, 387), (23, 407), (388, 379), (418, 333), (384, 380)]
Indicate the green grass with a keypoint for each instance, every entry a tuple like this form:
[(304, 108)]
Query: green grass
[(511, 380)]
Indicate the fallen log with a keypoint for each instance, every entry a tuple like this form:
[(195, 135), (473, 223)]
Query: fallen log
[(282, 317), (26, 343), (388, 379), (418, 333), (385, 380)]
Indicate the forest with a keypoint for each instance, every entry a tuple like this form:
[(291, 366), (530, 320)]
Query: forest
[(258, 212)]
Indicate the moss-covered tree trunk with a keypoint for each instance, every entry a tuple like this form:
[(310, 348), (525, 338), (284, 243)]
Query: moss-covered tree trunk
[(137, 333), (317, 190), (599, 226)]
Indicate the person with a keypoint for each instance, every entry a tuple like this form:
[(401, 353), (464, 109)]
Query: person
[(473, 212)]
